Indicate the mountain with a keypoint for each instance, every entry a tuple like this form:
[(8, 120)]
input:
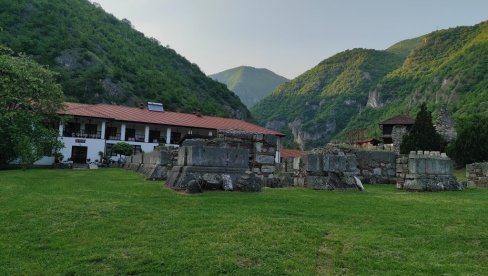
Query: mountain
[(249, 83), (316, 105), (101, 59), (356, 89)]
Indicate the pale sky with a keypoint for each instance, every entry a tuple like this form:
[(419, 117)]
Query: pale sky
[(287, 36)]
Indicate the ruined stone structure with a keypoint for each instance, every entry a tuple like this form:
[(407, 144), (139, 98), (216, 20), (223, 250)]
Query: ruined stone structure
[(426, 171), (232, 161), (202, 166), (331, 171), (477, 174), (397, 134), (444, 125), (376, 166), (153, 165)]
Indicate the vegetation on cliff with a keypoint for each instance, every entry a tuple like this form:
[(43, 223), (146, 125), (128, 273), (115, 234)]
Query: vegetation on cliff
[(102, 59), (446, 68)]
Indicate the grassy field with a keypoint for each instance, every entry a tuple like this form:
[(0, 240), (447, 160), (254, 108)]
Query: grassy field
[(111, 221)]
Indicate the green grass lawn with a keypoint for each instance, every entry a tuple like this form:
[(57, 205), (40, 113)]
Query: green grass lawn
[(111, 221)]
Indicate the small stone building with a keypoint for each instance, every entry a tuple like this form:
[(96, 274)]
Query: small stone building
[(393, 130)]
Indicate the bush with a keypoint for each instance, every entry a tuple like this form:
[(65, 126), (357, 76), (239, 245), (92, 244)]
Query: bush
[(423, 135), (123, 148)]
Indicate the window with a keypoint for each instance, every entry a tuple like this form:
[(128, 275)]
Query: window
[(91, 130), (154, 136), (130, 134), (72, 129), (111, 133)]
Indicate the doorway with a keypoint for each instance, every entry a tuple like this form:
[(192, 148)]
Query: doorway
[(78, 154)]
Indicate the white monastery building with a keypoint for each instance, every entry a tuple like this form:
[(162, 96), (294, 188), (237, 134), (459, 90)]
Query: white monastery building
[(89, 129)]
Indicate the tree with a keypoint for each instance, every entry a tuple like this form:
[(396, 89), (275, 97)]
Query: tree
[(123, 148), (470, 145), (29, 100), (422, 135)]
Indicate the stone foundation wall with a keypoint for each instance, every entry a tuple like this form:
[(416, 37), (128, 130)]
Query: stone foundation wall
[(153, 165), (328, 171), (376, 166), (426, 171), (477, 174)]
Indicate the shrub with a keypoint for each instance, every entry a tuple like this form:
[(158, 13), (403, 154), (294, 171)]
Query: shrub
[(423, 135), (470, 145)]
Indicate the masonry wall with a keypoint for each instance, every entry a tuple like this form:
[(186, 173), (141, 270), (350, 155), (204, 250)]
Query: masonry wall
[(477, 174), (376, 166), (426, 171), (153, 165)]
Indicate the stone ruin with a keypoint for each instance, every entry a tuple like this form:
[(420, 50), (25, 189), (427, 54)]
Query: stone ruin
[(331, 169), (477, 174), (153, 165), (233, 161), (426, 171), (202, 166)]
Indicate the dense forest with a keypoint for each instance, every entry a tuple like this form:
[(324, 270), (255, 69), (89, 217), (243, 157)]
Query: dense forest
[(357, 89), (99, 58)]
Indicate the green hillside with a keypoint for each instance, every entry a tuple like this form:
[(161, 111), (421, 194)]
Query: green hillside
[(102, 59), (318, 104), (444, 68), (404, 47), (249, 83)]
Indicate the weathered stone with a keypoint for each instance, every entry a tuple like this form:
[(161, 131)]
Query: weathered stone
[(211, 181), (248, 183), (268, 169), (265, 159), (377, 171), (193, 187), (227, 182)]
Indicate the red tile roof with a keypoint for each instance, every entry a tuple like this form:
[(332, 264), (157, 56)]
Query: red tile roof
[(142, 115), (399, 120), (292, 153)]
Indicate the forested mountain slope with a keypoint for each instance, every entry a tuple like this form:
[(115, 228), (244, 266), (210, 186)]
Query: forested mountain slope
[(249, 83), (102, 59), (447, 68), (318, 104)]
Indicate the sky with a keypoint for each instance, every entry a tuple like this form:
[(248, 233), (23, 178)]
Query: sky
[(287, 37)]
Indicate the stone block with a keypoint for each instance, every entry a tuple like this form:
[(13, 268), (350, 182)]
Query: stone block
[(313, 163), (165, 157), (268, 169), (377, 171), (216, 157), (258, 146), (326, 163), (264, 159)]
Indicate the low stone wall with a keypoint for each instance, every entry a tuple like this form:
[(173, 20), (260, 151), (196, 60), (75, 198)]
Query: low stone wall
[(330, 171), (426, 171), (376, 166), (477, 174), (153, 165)]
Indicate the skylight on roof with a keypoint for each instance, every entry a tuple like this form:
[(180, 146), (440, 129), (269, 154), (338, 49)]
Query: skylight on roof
[(157, 107)]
